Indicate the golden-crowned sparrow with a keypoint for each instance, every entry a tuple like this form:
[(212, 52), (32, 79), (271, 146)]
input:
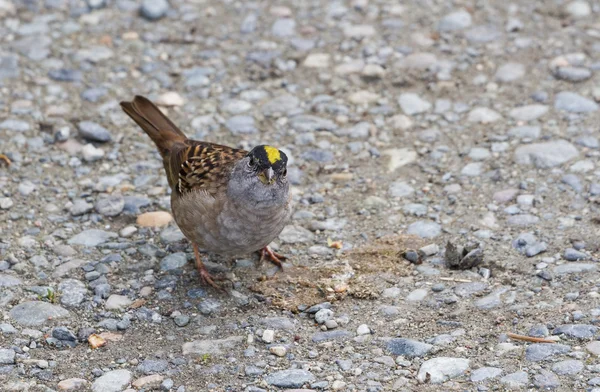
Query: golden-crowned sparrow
[(225, 200)]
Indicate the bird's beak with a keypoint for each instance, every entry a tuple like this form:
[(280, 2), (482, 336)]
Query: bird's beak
[(267, 176)]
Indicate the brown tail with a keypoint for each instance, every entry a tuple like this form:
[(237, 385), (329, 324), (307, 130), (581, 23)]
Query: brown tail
[(160, 129)]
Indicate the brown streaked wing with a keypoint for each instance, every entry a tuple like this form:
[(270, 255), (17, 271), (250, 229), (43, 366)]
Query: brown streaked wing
[(202, 166)]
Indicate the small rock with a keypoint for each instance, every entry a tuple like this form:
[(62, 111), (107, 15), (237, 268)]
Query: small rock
[(154, 219), (94, 132), (441, 369), (117, 302), (113, 381), (291, 378), (408, 348)]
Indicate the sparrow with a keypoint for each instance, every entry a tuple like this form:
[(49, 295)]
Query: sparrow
[(225, 200)]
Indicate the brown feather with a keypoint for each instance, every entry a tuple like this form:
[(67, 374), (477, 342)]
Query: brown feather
[(189, 164)]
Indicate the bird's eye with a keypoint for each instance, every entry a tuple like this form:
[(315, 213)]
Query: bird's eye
[(251, 162), (284, 173)]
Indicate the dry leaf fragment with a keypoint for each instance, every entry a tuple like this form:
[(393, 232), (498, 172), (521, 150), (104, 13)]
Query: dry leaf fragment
[(96, 341)]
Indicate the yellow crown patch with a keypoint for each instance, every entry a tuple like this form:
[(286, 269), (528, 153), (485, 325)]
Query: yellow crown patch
[(273, 154)]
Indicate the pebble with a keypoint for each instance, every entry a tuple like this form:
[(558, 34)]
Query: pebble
[(154, 9), (110, 206), (94, 132), (408, 348), (291, 378), (578, 331), (485, 373), (514, 380), (7, 356), (574, 255), (412, 104), (568, 367), (424, 229), (91, 237), (541, 351), (578, 9), (441, 369), (546, 155), (574, 103), (279, 351), (73, 384), (483, 115), (112, 381), (574, 268), (154, 219), (510, 72), (37, 313), (528, 112), (73, 292), (323, 315), (457, 20), (117, 302)]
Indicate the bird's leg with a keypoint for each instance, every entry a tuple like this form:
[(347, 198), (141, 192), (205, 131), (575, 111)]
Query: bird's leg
[(5, 159), (274, 257), (205, 276)]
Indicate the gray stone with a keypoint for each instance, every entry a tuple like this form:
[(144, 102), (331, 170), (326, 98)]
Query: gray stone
[(574, 255), (154, 9), (568, 367), (72, 292), (573, 74), (457, 20), (9, 66), (526, 132), (412, 104), (528, 112), (36, 313), (424, 229), (296, 235), (546, 155), (291, 378), (212, 346), (113, 381), (518, 379), (282, 104), (400, 189), (338, 334), (110, 206), (7, 356), (323, 315), (63, 333), (284, 27), (468, 289), (310, 123), (9, 281), (541, 351), (574, 268), (578, 331), (510, 72), (94, 132), (485, 373), (574, 103), (173, 261), (441, 369), (15, 125), (546, 380), (241, 124), (408, 348), (152, 366), (91, 237)]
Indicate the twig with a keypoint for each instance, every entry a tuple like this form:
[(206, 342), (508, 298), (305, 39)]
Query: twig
[(528, 338), (5, 159), (457, 280)]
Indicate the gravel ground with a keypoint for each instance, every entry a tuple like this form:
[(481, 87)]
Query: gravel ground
[(444, 167)]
